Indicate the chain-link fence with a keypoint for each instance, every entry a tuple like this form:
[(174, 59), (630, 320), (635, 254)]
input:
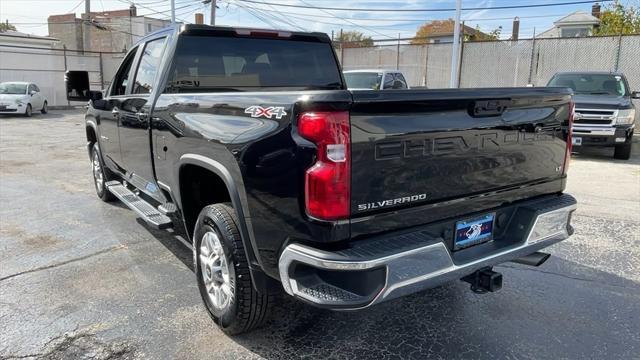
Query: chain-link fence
[(46, 67), (502, 63), (483, 64)]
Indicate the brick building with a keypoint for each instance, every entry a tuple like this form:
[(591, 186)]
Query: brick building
[(111, 31)]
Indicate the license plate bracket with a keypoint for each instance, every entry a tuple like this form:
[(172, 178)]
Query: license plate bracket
[(576, 141), (473, 231)]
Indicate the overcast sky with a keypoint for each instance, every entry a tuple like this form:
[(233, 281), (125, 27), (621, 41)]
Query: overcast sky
[(30, 16)]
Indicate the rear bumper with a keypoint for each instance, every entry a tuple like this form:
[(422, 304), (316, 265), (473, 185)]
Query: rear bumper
[(377, 270), (603, 136)]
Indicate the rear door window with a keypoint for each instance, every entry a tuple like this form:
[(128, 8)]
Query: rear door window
[(208, 63), (120, 82), (400, 78)]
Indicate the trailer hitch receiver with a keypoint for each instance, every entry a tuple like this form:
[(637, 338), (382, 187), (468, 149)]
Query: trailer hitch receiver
[(484, 280)]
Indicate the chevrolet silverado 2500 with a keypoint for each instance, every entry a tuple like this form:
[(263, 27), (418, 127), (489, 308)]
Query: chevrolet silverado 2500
[(249, 142)]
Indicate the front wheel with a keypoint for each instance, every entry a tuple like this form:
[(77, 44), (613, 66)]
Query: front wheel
[(28, 111), (222, 272), (622, 152)]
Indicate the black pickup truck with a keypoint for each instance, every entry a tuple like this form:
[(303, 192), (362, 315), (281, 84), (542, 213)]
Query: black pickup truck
[(249, 143), (605, 114)]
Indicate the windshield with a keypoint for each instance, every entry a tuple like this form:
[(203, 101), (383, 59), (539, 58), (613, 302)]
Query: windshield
[(363, 80), (242, 64), (13, 88), (598, 84)]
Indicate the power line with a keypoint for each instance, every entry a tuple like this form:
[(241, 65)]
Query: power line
[(350, 22), (401, 19), (75, 7), (425, 10), (257, 16), (301, 16), (154, 11)]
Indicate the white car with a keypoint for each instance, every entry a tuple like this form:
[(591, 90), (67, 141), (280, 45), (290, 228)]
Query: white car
[(21, 98), (375, 79)]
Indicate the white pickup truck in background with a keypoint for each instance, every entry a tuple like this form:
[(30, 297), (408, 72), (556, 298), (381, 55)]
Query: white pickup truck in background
[(375, 79)]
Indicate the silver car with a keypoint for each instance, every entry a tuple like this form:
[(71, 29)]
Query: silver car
[(21, 98)]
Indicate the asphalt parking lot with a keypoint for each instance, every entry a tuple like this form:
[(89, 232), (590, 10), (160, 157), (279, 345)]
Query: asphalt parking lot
[(80, 278)]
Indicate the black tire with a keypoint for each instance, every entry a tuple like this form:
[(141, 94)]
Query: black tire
[(622, 152), (44, 109), (246, 308), (100, 181), (28, 112)]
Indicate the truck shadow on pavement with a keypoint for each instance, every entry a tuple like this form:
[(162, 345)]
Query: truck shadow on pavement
[(559, 309), (541, 313)]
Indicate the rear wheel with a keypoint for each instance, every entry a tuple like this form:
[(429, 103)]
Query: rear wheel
[(622, 152), (100, 175), (222, 272), (44, 109), (28, 111)]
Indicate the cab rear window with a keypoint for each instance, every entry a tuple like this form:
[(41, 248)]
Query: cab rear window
[(206, 64)]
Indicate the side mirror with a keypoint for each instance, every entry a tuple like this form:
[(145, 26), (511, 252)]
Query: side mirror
[(529, 85), (32, 92), (95, 95), (635, 95), (77, 85)]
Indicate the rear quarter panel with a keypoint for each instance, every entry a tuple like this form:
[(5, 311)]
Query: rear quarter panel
[(264, 157)]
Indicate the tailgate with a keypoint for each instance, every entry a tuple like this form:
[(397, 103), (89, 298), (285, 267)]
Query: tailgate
[(419, 147)]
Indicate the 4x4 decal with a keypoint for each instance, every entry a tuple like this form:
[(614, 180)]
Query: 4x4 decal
[(268, 112)]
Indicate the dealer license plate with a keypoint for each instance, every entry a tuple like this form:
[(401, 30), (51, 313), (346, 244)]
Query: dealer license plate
[(473, 231)]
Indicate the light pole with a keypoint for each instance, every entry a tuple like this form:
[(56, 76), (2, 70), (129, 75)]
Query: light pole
[(213, 13), (453, 82), (86, 39), (173, 11)]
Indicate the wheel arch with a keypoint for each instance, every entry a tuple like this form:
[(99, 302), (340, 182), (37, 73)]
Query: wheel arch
[(190, 161), (91, 134)]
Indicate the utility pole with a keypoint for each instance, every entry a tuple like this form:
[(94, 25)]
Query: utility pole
[(213, 12), (173, 11), (86, 38), (453, 82)]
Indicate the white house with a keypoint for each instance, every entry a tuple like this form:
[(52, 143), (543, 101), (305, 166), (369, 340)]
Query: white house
[(576, 24)]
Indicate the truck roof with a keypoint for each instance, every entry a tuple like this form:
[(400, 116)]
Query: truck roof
[(242, 31), (371, 70), (591, 73)]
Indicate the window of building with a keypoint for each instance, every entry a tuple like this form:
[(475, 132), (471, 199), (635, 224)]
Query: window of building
[(574, 32)]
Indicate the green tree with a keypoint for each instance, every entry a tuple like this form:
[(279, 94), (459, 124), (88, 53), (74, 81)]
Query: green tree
[(480, 36), (619, 19), (352, 38), (6, 26)]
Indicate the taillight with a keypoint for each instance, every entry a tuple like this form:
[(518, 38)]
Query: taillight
[(567, 154), (328, 182)]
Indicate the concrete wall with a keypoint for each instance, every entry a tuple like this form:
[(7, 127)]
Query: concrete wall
[(46, 68)]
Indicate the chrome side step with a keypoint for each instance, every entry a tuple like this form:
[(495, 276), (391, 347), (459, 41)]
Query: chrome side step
[(146, 211)]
